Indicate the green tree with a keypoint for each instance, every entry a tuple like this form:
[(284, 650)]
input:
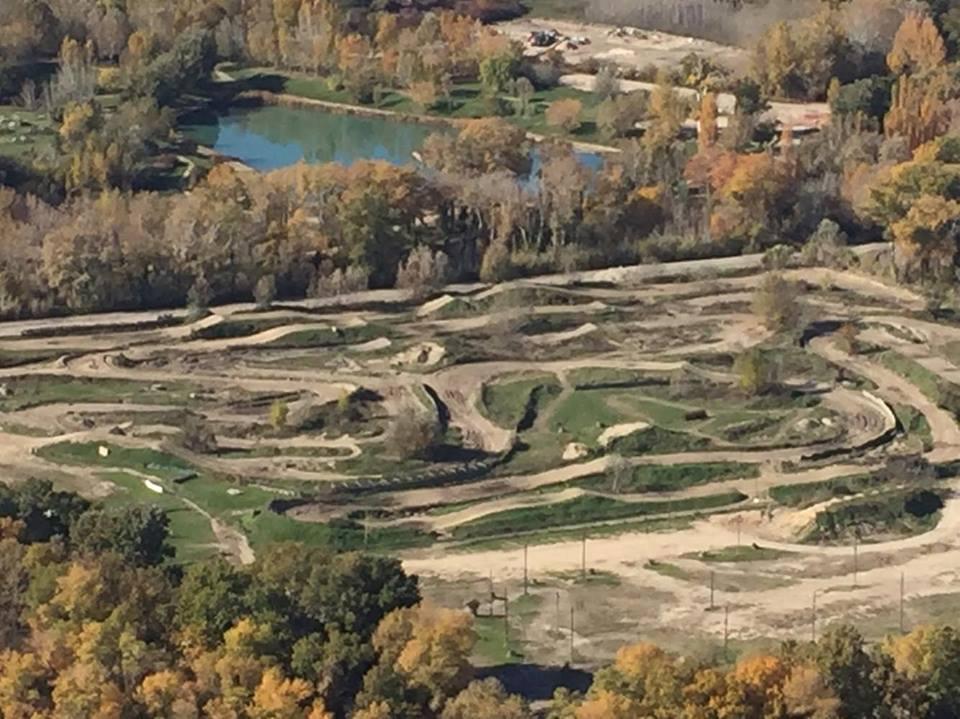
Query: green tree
[(777, 303), (754, 371), (138, 534), (850, 671), (211, 598), (497, 72), (279, 412)]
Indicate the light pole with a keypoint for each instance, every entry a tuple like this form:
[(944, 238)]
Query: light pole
[(813, 616), (856, 556)]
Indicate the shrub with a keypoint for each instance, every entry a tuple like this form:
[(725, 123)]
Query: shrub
[(565, 114), (197, 436), (279, 412), (265, 291), (777, 304), (827, 247), (413, 436), (606, 84), (423, 271)]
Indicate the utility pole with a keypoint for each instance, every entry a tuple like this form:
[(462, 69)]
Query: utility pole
[(506, 622), (366, 527), (571, 633), (901, 604), (525, 569), (726, 628), (583, 556), (856, 557), (739, 522), (492, 595), (712, 578), (813, 617), (558, 612)]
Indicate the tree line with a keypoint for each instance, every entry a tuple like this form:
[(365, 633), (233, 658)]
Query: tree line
[(80, 237), (327, 229)]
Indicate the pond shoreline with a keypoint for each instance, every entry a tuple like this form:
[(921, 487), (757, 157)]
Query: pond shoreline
[(287, 100)]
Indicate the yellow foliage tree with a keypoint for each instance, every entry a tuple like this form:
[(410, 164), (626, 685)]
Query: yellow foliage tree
[(918, 112), (429, 646), (667, 113), (564, 114), (707, 136), (926, 238), (755, 688), (485, 700), (167, 693), (806, 694), (917, 46), (277, 697)]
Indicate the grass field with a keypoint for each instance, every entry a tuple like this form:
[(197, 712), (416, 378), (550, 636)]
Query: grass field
[(25, 133), (669, 478), (925, 380), (501, 642), (583, 510), (38, 390), (190, 532), (560, 9), (506, 401), (467, 101), (332, 337), (746, 553), (915, 424), (148, 461), (266, 527)]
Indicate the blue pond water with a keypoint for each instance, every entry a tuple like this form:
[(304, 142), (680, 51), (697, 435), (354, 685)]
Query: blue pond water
[(271, 137)]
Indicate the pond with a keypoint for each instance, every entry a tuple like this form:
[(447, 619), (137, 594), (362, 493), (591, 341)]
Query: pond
[(270, 137)]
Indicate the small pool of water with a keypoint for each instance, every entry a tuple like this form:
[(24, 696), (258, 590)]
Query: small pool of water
[(271, 137)]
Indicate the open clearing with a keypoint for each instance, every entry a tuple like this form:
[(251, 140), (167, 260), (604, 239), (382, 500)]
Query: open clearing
[(251, 426)]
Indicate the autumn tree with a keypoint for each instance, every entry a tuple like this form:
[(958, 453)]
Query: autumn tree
[(481, 146), (565, 114), (617, 116), (806, 694), (667, 113), (916, 201), (918, 111), (917, 46), (929, 657), (707, 121), (485, 700), (799, 59), (643, 681), (422, 659), (926, 237)]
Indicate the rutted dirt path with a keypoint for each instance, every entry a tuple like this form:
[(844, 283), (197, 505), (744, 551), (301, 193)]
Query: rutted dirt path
[(98, 355)]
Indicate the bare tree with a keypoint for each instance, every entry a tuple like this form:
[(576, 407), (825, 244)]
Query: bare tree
[(29, 97), (424, 271)]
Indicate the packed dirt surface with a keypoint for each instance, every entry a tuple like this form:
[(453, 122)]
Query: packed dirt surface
[(634, 368), (797, 115), (628, 47)]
